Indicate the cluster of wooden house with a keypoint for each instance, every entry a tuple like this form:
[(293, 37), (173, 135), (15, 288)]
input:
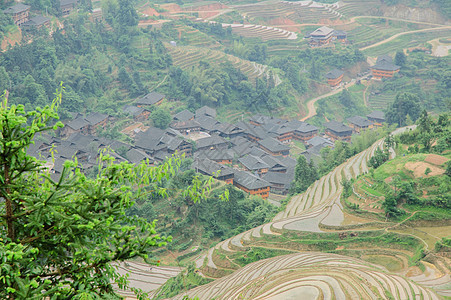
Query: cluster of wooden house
[(253, 155), (20, 13)]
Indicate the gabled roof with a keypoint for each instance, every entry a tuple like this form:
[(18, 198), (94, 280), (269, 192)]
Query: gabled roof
[(301, 126), (15, 9), (322, 31), (337, 126), (210, 141), (95, 118), (184, 115), (207, 123), (185, 125), (133, 110), (228, 129), (385, 63), (288, 161), (250, 181), (376, 115), (253, 163), (273, 145), (213, 154), (359, 121), (209, 167), (279, 178), (252, 130), (242, 149), (67, 2), (149, 139), (317, 140), (36, 21), (150, 99), (136, 156), (273, 163), (205, 110), (255, 151), (334, 74), (78, 123), (262, 119)]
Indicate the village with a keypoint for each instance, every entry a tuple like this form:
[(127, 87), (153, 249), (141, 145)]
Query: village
[(252, 155)]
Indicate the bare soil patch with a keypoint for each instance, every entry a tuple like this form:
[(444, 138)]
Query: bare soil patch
[(436, 159), (150, 12), (418, 169)]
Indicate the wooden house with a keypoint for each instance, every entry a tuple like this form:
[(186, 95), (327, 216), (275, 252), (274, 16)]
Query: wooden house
[(359, 123), (377, 117), (210, 168), (150, 99), (338, 131), (334, 77), (19, 13), (254, 164), (251, 184), (66, 6), (321, 36), (274, 147), (36, 22), (384, 68)]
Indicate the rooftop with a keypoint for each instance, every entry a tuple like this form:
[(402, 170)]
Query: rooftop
[(184, 115), (334, 74), (376, 115), (205, 110), (210, 141), (150, 99), (385, 63), (253, 163), (210, 167), (273, 145), (15, 9), (337, 126), (322, 31), (359, 121), (249, 181), (36, 21)]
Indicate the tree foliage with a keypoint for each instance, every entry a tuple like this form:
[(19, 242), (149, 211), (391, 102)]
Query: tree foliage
[(405, 104), (304, 175), (58, 237)]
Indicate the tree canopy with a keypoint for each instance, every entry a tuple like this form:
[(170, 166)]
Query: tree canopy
[(59, 236)]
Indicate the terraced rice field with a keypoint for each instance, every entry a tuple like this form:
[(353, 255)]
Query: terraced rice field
[(264, 32), (314, 276), (381, 101), (186, 57), (357, 7), (406, 41), (143, 276), (317, 208), (300, 12)]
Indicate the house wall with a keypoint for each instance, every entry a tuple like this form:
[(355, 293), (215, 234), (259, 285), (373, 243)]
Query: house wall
[(263, 192), (286, 137), (335, 81), (304, 136), (335, 136), (21, 17), (378, 74)]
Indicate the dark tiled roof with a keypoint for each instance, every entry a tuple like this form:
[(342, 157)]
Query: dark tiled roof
[(317, 140), (150, 99), (77, 123), (376, 115), (184, 115), (340, 33), (279, 178), (95, 118), (359, 121), (213, 155), (15, 9), (335, 73), (36, 21), (185, 125), (136, 156), (205, 110), (67, 2), (253, 163), (133, 110), (302, 126), (228, 129), (207, 123), (273, 145), (337, 126), (273, 163), (210, 141), (288, 162), (249, 181), (242, 149), (385, 63), (255, 151), (209, 167), (150, 139)]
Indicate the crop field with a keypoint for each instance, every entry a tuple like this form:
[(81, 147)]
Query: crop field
[(357, 7), (186, 57), (406, 41), (264, 32), (381, 101)]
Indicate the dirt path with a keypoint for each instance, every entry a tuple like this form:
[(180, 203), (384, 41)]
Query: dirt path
[(365, 101), (401, 34), (311, 103)]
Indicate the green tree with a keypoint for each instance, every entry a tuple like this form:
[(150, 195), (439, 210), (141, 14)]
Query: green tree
[(59, 238), (345, 98), (161, 118), (304, 175), (400, 58), (405, 104)]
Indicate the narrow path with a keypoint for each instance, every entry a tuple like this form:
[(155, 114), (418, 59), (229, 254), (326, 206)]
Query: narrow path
[(311, 103), (365, 100), (161, 82), (401, 34)]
